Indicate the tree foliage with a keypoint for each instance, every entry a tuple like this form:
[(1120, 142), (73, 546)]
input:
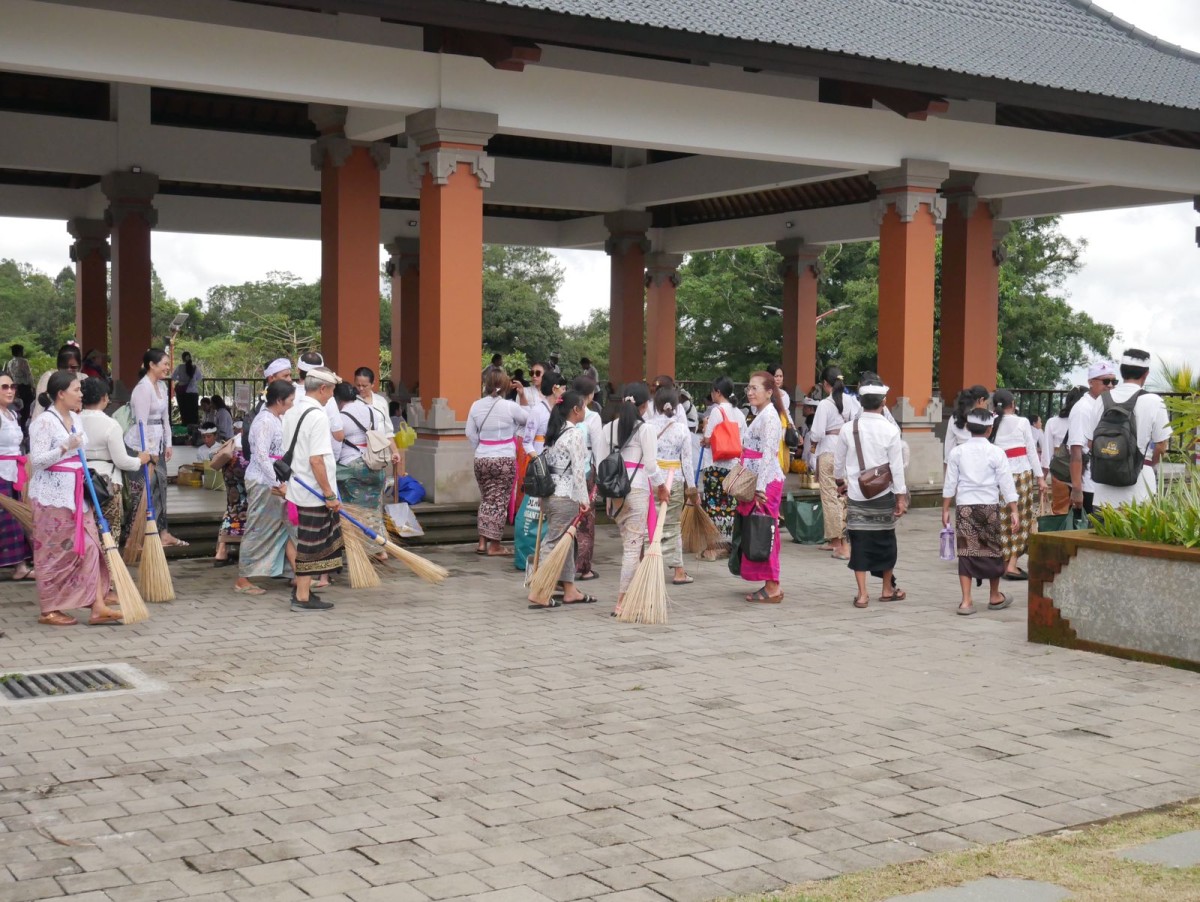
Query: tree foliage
[(520, 288)]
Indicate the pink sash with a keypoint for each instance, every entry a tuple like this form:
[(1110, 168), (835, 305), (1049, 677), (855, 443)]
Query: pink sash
[(512, 496), (19, 485), (747, 454), (652, 508), (63, 467)]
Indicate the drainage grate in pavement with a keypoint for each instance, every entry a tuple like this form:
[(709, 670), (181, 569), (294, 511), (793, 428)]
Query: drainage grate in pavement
[(24, 687)]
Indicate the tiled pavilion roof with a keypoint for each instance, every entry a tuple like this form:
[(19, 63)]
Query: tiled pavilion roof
[(1071, 45)]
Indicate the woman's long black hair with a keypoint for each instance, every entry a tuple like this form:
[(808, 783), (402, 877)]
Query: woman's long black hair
[(1072, 399), (558, 416), (832, 375), (965, 403), (59, 382), (188, 366), (633, 396), (152, 356), (549, 380)]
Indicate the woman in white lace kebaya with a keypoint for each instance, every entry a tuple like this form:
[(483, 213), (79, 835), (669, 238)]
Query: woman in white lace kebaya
[(760, 454), (674, 442), (70, 565), (149, 407)]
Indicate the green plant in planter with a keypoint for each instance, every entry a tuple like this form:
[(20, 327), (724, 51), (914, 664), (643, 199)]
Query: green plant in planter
[(1170, 518)]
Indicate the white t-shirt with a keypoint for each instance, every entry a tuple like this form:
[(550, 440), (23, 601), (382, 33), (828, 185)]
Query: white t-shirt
[(1153, 426), (1084, 416), (313, 440)]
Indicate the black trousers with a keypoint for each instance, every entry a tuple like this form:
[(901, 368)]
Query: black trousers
[(189, 407)]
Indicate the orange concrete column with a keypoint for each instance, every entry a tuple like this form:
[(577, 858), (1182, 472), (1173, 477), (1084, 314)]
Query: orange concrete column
[(90, 253), (970, 320), (452, 170), (662, 278), (627, 247), (404, 269), (801, 278), (349, 242), (130, 217)]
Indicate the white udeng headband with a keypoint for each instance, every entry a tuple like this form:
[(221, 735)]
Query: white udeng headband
[(982, 417), (872, 389), (1135, 361), (324, 375)]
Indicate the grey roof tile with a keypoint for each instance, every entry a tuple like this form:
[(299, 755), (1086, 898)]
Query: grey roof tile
[(1070, 45)]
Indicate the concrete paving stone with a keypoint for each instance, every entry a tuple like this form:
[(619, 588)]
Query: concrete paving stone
[(691, 889), (1179, 851), (570, 887), (991, 889)]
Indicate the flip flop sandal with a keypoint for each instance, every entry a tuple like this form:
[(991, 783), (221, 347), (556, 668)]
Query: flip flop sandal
[(587, 599), (108, 620), (1005, 601), (249, 590), (761, 597), (482, 552), (56, 619), (838, 557), (503, 552), (865, 601), (552, 603), (178, 543), (591, 574), (1019, 577), (683, 582), (965, 612), (898, 595)]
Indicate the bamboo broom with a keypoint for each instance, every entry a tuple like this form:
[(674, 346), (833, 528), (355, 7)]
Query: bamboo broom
[(154, 576), (646, 599), (426, 569), (133, 609), (19, 511), (537, 549), (696, 528), (137, 533), (358, 562), (545, 576)]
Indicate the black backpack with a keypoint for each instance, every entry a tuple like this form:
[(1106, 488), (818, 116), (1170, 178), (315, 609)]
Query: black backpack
[(538, 481), (1116, 458), (612, 476)]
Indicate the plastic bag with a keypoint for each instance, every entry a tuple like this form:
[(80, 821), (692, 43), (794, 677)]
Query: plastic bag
[(405, 436), (403, 520), (409, 490), (805, 521), (525, 531), (1072, 519), (947, 550)]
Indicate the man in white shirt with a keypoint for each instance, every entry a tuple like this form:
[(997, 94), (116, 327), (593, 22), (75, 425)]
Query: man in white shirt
[(208, 443), (319, 534), (1153, 429), (1101, 377)]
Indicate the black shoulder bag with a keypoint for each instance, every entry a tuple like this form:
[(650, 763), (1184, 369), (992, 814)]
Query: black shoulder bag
[(283, 466)]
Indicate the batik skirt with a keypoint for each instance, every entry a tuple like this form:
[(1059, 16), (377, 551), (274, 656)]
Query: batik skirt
[(318, 541), (977, 529), (721, 508), (233, 524), (363, 487), (264, 546), (14, 546), (65, 580), (495, 477), (1015, 543)]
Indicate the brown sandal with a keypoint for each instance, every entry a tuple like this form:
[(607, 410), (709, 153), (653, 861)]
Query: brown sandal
[(112, 617), (57, 618)]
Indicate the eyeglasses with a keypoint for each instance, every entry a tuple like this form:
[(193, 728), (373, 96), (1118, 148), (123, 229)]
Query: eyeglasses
[(9, 387), (1108, 382), (537, 372)]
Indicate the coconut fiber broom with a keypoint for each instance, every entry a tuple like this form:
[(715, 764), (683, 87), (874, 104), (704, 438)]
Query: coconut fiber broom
[(358, 562), (137, 533), (154, 576), (646, 600), (19, 511), (426, 569), (696, 527), (545, 577), (133, 609)]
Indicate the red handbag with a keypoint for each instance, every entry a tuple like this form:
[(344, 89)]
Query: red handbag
[(726, 440)]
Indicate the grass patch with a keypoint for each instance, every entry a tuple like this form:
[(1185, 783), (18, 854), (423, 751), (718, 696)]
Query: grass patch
[(1080, 860)]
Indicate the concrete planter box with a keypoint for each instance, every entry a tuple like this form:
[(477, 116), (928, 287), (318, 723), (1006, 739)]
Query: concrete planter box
[(1136, 600)]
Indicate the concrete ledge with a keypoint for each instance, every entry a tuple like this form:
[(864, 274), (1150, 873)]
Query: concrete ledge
[(1133, 600)]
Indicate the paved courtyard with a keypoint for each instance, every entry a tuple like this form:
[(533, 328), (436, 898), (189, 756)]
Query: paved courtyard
[(420, 743)]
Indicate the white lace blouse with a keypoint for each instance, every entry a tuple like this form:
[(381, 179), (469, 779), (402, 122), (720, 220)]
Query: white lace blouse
[(266, 444), (148, 404), (567, 459), (10, 444), (47, 436), (764, 436), (675, 444)]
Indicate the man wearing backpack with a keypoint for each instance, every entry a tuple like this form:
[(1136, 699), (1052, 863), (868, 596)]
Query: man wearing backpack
[(1100, 378), (1128, 433)]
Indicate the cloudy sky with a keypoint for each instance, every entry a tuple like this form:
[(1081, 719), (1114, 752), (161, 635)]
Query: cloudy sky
[(1142, 272)]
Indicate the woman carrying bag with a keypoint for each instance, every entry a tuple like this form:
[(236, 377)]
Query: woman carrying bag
[(494, 424), (760, 457), (107, 455), (721, 443), (833, 413)]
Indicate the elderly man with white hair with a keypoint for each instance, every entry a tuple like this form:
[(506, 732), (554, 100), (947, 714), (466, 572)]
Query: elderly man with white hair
[(309, 445)]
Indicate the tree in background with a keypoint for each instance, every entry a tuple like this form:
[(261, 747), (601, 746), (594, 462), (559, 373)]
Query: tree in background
[(520, 289)]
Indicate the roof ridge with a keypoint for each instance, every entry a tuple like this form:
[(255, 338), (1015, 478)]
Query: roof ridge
[(1094, 9)]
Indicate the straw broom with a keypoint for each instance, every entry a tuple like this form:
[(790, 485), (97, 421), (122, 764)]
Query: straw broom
[(358, 562), (646, 600), (545, 576), (137, 533), (133, 609), (19, 511), (697, 529), (154, 576), (426, 569)]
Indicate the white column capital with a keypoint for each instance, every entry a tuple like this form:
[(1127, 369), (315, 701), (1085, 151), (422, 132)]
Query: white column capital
[(403, 254), (797, 255), (907, 204), (130, 194), (336, 149), (663, 268), (627, 231), (442, 163), (91, 237), (445, 126)]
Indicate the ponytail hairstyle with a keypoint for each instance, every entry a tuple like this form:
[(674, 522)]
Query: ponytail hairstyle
[(723, 386), (768, 381), (666, 401), (496, 384), (151, 357), (343, 393), (633, 396), (59, 382), (558, 416), (549, 380), (1000, 400), (967, 400), (832, 375), (1071, 399), (188, 366)]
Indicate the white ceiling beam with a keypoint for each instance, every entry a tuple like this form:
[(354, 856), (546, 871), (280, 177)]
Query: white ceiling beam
[(698, 177), (834, 225), (1086, 200)]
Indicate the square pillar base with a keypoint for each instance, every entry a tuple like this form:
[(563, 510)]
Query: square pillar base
[(925, 468), (442, 460)]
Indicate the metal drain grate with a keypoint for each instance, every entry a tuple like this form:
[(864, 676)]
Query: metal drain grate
[(24, 687)]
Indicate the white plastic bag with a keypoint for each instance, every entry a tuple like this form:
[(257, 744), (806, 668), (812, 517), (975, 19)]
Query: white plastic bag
[(404, 521)]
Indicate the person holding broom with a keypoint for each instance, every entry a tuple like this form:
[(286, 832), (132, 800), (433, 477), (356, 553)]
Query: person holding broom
[(592, 428), (14, 546), (107, 455), (637, 441), (267, 546), (148, 405), (760, 454), (674, 454), (307, 439), (71, 569), (720, 506), (566, 454)]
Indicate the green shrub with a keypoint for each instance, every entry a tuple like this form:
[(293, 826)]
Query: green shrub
[(1169, 518)]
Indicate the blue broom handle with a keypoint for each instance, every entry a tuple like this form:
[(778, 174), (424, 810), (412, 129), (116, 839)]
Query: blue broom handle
[(146, 475), (371, 534), (87, 477)]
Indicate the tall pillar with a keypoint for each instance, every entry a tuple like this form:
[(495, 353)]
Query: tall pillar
[(404, 269), (662, 278), (971, 256), (349, 241), (801, 277), (452, 170), (908, 210), (90, 254), (130, 217), (627, 247)]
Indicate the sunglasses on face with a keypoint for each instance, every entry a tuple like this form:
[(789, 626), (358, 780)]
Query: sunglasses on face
[(1108, 382), (537, 372)]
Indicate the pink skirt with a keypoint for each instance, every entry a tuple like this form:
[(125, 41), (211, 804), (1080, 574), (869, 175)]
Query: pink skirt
[(66, 581), (768, 570)]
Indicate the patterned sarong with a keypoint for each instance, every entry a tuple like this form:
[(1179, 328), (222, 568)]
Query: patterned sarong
[(264, 546), (66, 580), (721, 508), (977, 535), (14, 548), (1015, 543), (495, 477), (318, 541), (871, 526)]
